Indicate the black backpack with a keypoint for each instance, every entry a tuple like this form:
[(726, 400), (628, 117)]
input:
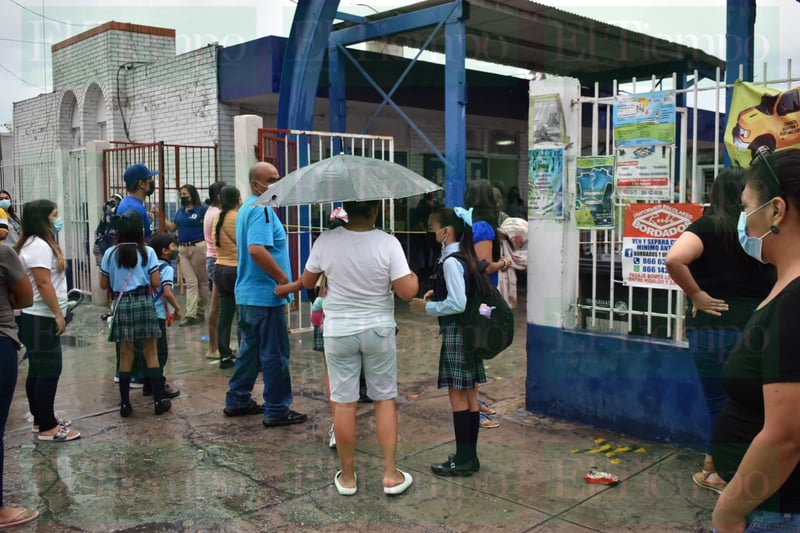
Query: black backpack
[(487, 322)]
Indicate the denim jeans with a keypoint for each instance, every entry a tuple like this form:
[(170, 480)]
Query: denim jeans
[(770, 522), (8, 380), (265, 347), (710, 348), (38, 334)]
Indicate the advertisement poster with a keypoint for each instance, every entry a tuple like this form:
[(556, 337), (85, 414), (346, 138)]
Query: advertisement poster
[(545, 183), (594, 181), (761, 116), (650, 231), (645, 119), (546, 120), (643, 173)]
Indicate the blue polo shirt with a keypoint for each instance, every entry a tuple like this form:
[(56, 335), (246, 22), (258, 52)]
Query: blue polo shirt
[(132, 203), (260, 226), (139, 276), (167, 278), (190, 223)]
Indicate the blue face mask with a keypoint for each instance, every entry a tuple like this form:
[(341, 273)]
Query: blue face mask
[(750, 245), (58, 225), (5, 204)]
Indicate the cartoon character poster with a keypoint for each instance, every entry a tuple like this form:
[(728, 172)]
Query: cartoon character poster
[(546, 183), (594, 181), (761, 116), (644, 119)]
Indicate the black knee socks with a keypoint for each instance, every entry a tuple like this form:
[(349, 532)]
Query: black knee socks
[(462, 424), (156, 380), (124, 388)]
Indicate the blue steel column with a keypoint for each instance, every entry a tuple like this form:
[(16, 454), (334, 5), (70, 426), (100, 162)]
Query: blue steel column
[(337, 96), (455, 105), (739, 39), (302, 63)]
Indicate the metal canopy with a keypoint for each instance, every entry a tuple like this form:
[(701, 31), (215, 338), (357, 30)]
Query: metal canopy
[(539, 38)]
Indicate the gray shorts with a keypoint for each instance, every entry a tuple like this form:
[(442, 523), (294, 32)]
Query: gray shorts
[(374, 349)]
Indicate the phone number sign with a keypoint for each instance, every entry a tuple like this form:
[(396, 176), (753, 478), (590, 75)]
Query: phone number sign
[(650, 231)]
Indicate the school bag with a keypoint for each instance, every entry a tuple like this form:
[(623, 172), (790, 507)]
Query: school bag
[(158, 294), (487, 322)]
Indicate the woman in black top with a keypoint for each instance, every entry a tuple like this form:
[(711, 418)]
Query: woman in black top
[(758, 431), (725, 285)]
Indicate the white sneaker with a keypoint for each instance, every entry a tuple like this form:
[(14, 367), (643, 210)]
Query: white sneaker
[(331, 438), (212, 355)]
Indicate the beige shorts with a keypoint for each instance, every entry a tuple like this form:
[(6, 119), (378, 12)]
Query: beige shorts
[(376, 351)]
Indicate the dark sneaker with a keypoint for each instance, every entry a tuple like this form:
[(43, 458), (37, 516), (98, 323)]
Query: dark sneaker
[(163, 406), (450, 468), (169, 392), (253, 409), (292, 417), (227, 362), (125, 410), (189, 321)]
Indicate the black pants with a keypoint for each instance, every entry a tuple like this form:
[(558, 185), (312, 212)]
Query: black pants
[(225, 281), (161, 345), (38, 334), (8, 380)]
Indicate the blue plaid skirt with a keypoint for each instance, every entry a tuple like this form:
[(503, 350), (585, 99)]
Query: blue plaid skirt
[(318, 342), (457, 371), (135, 318)]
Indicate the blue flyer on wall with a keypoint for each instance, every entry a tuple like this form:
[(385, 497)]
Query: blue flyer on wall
[(545, 183), (645, 119)]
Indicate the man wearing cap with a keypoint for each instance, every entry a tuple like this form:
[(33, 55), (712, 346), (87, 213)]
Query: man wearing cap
[(263, 257), (140, 184)]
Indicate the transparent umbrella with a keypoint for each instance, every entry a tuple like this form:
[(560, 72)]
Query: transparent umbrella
[(344, 178)]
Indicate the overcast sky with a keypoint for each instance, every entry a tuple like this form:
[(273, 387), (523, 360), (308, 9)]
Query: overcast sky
[(27, 29)]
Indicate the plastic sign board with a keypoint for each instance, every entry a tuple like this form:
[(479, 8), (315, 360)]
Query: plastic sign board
[(649, 233), (645, 119)]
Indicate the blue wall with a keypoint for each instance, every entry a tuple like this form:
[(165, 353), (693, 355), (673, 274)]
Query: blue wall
[(626, 384)]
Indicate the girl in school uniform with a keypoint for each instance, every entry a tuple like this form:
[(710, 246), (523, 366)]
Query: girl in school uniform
[(452, 228), (130, 268)]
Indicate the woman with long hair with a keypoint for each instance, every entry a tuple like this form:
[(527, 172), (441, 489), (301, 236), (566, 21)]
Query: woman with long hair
[(13, 221), (188, 222), (458, 373), (43, 323), (130, 268), (211, 259), (224, 236), (479, 196), (360, 332), (724, 286)]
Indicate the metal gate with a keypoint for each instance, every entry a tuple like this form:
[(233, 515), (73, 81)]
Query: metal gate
[(78, 232), (604, 303), (177, 164), (292, 149)]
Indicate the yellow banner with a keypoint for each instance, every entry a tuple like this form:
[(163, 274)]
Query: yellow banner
[(760, 116)]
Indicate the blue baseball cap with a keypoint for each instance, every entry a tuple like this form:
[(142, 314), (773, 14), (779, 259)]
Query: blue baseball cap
[(138, 172)]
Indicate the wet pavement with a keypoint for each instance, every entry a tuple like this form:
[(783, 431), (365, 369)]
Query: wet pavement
[(193, 469)]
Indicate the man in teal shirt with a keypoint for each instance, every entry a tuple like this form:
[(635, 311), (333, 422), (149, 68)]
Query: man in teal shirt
[(263, 256)]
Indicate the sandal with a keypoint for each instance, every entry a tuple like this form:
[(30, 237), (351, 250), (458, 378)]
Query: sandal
[(701, 479), (22, 516), (63, 423), (488, 423), (485, 409), (62, 435)]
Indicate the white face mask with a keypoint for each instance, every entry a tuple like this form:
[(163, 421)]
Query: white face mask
[(750, 245), (5, 204)]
